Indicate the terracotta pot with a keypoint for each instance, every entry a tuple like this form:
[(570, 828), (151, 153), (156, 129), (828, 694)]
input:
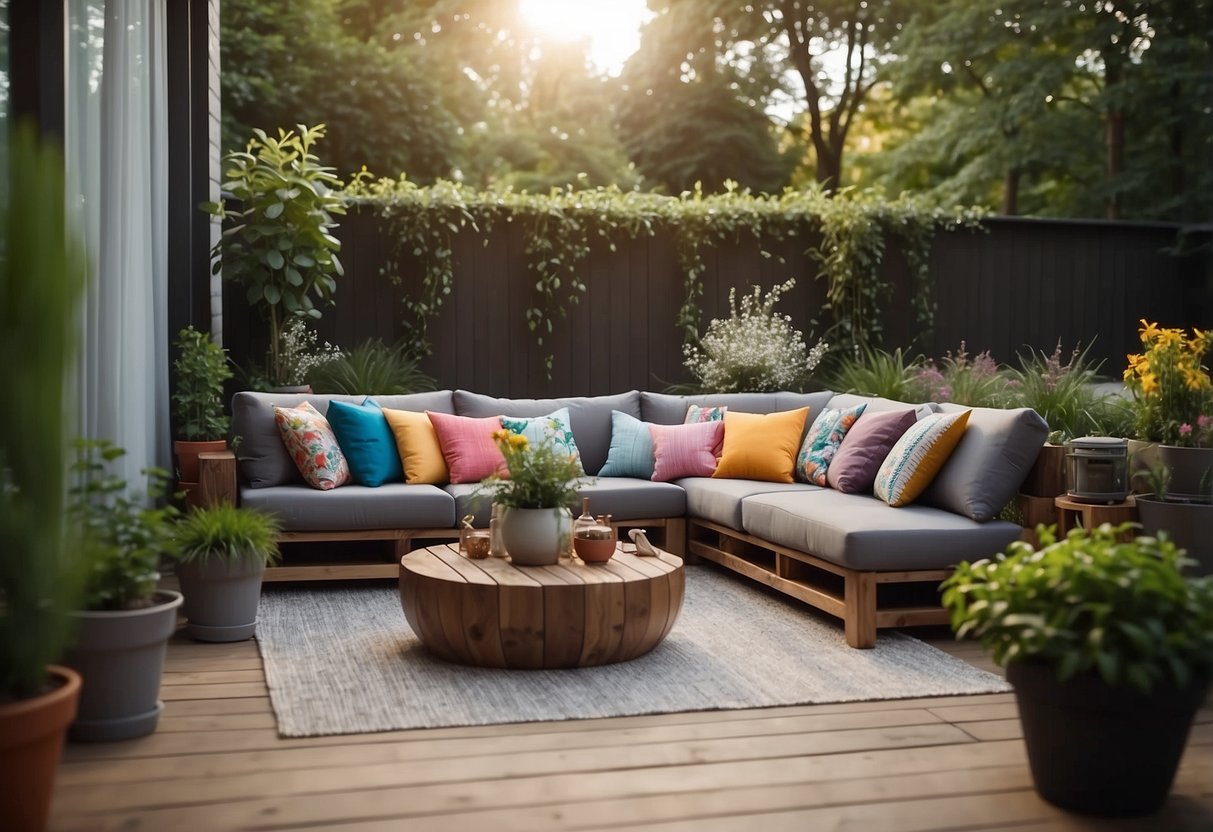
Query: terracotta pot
[(187, 456), (31, 743), (594, 551), (536, 536), (1102, 750)]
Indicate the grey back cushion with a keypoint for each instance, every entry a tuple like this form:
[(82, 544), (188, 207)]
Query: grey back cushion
[(263, 460), (589, 417), (989, 464), (664, 409), (877, 403)]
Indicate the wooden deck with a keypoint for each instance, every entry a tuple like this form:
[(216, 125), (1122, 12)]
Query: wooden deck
[(217, 763)]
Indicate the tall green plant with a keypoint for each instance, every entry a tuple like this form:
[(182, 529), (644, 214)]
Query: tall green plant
[(1062, 392), (876, 372), (200, 369), (41, 277), (278, 243), (371, 367)]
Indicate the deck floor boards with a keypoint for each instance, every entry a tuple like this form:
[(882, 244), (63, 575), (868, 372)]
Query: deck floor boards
[(945, 763)]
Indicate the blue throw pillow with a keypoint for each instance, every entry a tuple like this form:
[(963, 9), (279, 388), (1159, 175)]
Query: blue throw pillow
[(367, 442), (631, 453)]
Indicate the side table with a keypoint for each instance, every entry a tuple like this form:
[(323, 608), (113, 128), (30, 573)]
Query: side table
[(1090, 515)]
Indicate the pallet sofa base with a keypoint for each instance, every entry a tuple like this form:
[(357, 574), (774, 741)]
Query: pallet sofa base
[(837, 590)]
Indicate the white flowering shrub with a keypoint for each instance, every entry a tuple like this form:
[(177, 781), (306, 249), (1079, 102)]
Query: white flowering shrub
[(753, 350), (299, 353)]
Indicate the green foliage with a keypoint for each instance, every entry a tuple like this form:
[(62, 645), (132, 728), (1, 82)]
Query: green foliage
[(228, 533), (279, 243), (42, 274), (1063, 394), (200, 370), (754, 349), (562, 228), (124, 534), (977, 381), (540, 476), (876, 372), (1089, 603), (371, 367)]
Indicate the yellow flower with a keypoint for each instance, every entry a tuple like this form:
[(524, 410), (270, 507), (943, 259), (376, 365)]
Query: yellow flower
[(1148, 332), (1169, 337), (502, 435), (517, 440), (1196, 379), (1149, 383)]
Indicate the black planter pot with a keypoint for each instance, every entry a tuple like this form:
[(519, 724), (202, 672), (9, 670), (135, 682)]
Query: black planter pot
[(1101, 750)]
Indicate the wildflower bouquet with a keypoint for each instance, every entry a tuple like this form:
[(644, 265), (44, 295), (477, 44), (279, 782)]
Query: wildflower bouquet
[(539, 476), (1171, 386), (754, 350)]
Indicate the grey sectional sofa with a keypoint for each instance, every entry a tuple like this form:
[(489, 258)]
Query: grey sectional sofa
[(850, 555)]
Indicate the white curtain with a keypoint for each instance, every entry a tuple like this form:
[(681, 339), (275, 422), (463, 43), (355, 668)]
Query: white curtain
[(116, 149)]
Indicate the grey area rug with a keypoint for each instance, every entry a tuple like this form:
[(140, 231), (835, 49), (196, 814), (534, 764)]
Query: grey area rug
[(345, 661)]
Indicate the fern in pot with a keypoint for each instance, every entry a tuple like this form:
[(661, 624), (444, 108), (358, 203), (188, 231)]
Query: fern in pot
[(126, 620), (1110, 650), (223, 552)]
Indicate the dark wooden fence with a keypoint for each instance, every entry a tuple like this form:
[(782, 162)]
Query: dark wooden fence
[(1018, 284)]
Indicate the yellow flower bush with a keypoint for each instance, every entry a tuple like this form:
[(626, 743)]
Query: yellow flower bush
[(540, 476), (1171, 386)]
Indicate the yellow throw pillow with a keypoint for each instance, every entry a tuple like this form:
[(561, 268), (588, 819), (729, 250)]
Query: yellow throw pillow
[(761, 447), (417, 442), (917, 457)]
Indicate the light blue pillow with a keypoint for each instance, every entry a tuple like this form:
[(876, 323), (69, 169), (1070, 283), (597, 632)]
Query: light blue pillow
[(631, 453), (553, 429), (367, 441)]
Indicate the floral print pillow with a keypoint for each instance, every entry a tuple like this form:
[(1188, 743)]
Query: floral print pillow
[(553, 428), (311, 444), (822, 441), (697, 414)]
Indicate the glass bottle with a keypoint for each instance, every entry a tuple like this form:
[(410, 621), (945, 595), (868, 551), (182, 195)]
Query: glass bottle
[(585, 520)]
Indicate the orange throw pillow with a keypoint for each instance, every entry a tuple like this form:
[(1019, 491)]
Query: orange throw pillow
[(761, 447)]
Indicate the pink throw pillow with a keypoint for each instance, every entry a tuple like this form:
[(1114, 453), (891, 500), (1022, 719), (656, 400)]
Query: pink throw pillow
[(310, 442), (468, 446), (685, 450)]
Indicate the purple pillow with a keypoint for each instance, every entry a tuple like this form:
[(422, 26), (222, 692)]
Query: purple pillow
[(867, 443)]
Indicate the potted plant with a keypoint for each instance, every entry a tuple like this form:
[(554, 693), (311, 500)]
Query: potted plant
[(1188, 522), (279, 243), (1173, 401), (126, 621), (542, 483), (1110, 651), (41, 276), (222, 555), (200, 370)]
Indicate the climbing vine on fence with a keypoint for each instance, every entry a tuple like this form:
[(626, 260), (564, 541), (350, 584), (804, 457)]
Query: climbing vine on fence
[(561, 229)]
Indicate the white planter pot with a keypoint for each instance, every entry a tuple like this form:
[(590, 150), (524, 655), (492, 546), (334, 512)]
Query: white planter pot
[(536, 536)]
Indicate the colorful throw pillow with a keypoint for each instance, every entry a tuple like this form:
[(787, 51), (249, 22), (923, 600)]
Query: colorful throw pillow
[(310, 442), (367, 442), (631, 453), (418, 447), (822, 442), (468, 446), (917, 457), (761, 446), (553, 428), (853, 469), (695, 413), (685, 450)]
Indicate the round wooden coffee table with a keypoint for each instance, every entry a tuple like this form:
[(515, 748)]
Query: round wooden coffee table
[(491, 613)]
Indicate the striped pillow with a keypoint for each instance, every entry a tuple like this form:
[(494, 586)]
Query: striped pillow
[(631, 453), (917, 457), (468, 446), (685, 450)]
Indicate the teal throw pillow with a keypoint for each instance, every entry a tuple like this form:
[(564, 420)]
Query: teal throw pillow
[(631, 453), (553, 428), (367, 442)]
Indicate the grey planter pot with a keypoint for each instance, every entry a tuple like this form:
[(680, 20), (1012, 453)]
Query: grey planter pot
[(1187, 466), (1190, 525), (221, 597), (120, 656)]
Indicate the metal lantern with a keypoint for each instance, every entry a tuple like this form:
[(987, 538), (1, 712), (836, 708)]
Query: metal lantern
[(1097, 469)]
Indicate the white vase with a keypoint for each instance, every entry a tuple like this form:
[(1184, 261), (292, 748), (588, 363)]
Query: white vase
[(535, 536)]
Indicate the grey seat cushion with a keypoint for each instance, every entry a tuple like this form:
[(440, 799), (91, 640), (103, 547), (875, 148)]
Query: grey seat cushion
[(622, 497), (985, 470), (589, 417), (864, 533), (263, 460), (665, 409), (720, 500), (352, 507)]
